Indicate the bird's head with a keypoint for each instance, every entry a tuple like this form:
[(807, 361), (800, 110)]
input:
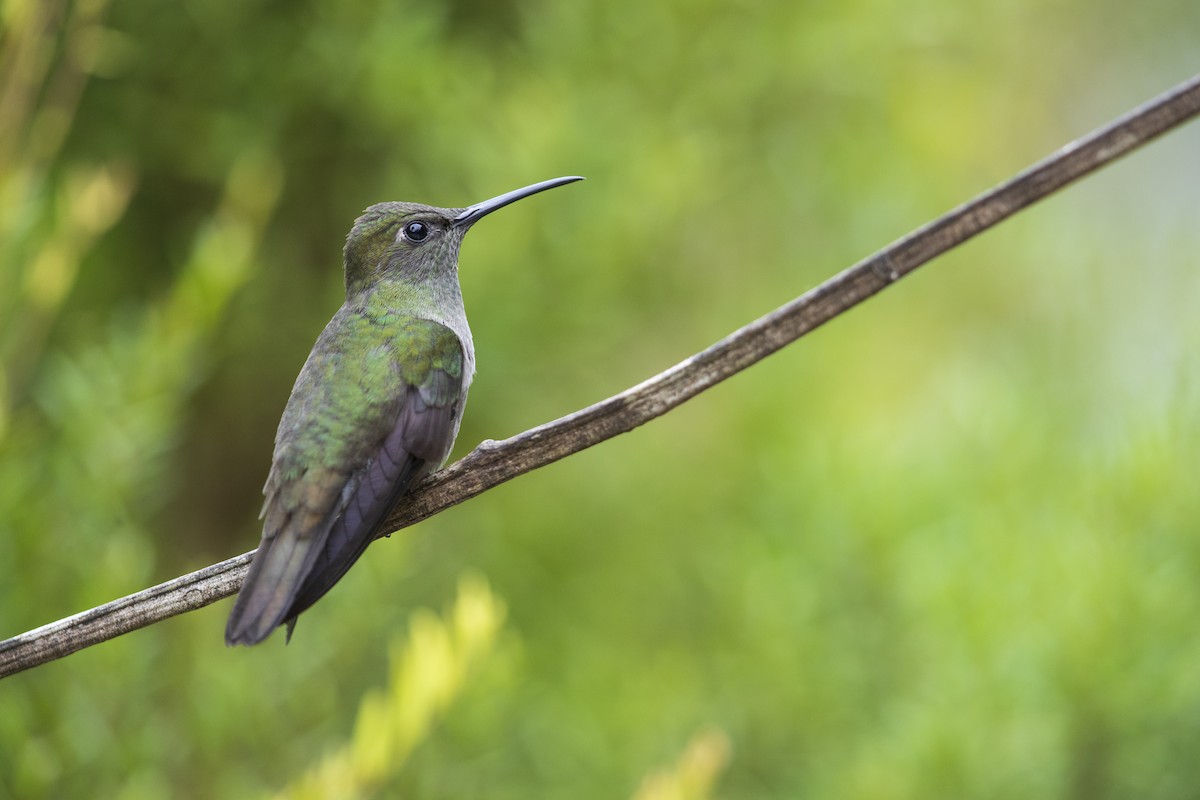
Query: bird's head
[(415, 242)]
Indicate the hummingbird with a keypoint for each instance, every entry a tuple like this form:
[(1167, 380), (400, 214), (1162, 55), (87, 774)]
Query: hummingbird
[(376, 407)]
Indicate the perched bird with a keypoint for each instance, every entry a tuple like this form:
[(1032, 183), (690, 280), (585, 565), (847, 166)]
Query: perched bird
[(376, 407)]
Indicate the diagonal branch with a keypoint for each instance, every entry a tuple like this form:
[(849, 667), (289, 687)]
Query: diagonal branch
[(493, 463)]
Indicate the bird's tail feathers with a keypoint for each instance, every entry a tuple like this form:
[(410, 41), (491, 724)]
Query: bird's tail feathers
[(276, 574)]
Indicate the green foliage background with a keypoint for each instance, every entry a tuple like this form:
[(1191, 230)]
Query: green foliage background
[(946, 546)]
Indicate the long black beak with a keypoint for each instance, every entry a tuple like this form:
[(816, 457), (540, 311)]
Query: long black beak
[(479, 210)]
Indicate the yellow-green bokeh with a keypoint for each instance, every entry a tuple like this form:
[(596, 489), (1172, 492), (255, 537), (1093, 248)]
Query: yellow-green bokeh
[(946, 546)]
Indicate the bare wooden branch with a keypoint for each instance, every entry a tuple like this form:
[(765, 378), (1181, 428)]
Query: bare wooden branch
[(493, 463), (99, 624)]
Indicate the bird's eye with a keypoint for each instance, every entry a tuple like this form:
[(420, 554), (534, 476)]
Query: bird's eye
[(416, 231)]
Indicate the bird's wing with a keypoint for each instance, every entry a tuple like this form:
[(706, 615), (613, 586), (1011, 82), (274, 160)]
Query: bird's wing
[(361, 427), (418, 444)]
